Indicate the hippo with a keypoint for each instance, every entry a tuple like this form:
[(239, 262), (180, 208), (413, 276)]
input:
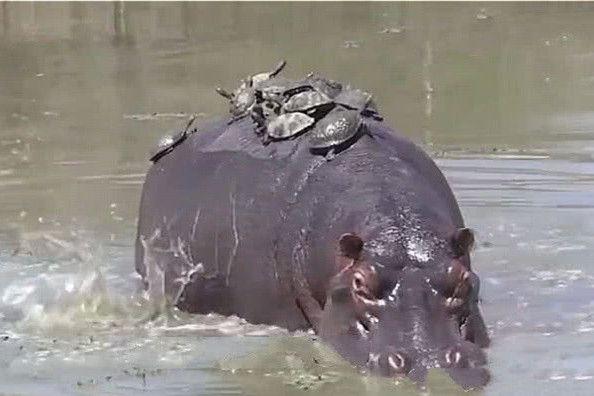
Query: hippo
[(367, 246)]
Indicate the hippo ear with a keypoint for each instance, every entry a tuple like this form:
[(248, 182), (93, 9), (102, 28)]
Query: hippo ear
[(351, 246), (462, 241)]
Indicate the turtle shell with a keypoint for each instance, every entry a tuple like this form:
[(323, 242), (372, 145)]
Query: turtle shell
[(329, 88), (259, 78), (354, 99), (280, 88), (288, 125), (336, 128), (274, 88), (243, 99), (307, 100)]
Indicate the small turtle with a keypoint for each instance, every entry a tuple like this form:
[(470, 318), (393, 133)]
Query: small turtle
[(167, 143), (279, 89), (356, 99), (338, 127), (274, 89), (308, 100), (329, 88), (244, 98), (287, 125), (353, 99), (242, 101), (258, 79)]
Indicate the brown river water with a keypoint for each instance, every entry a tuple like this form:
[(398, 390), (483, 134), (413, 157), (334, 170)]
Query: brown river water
[(501, 95)]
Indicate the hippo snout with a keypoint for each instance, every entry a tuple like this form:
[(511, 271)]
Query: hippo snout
[(463, 362)]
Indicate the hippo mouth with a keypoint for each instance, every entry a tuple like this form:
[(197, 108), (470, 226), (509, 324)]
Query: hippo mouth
[(404, 323)]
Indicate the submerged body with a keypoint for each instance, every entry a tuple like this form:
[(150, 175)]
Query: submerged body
[(368, 249)]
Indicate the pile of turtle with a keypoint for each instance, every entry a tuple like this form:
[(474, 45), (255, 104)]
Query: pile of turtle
[(330, 113)]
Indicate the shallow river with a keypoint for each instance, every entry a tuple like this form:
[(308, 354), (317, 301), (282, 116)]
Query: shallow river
[(502, 98)]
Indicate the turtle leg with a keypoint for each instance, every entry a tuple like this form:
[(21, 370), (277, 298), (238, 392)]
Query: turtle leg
[(376, 116), (330, 155), (237, 118), (266, 140), (372, 114)]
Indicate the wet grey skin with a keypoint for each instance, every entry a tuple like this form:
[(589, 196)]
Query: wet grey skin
[(369, 250)]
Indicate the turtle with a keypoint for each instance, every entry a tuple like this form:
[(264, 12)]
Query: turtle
[(353, 99), (280, 89), (273, 89), (168, 142), (257, 80), (244, 98), (242, 101), (307, 101), (328, 87), (357, 99), (286, 126), (336, 128), (296, 88)]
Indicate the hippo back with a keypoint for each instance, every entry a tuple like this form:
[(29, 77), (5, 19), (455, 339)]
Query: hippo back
[(243, 211)]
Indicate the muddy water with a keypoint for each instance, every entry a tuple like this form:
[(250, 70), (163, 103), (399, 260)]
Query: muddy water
[(501, 97)]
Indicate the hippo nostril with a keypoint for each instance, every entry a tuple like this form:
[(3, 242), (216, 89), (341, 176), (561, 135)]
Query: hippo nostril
[(392, 363), (453, 358), (397, 363)]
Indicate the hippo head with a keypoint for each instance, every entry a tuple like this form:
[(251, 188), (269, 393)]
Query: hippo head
[(405, 320)]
